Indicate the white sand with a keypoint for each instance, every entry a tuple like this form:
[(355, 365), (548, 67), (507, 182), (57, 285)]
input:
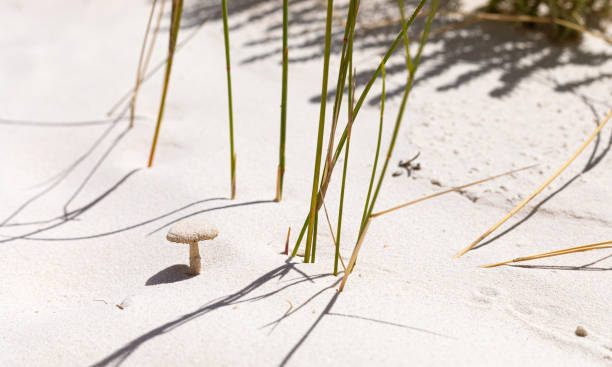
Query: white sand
[(494, 98)]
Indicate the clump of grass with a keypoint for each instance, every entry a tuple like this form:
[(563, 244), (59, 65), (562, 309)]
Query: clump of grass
[(538, 190), (360, 101), (320, 193), (283, 121), (584, 13), (229, 99), (571, 250), (177, 10)]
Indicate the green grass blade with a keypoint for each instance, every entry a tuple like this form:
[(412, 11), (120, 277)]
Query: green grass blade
[(317, 168), (283, 122), (177, 10), (314, 240), (229, 99), (375, 164)]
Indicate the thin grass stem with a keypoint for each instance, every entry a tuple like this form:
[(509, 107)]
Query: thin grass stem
[(140, 59), (398, 121), (145, 67), (229, 99), (353, 259), (348, 30), (351, 96), (409, 64), (177, 9), (331, 230), (375, 164), (156, 68), (283, 122)]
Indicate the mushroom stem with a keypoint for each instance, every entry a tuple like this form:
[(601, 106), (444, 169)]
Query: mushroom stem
[(195, 266)]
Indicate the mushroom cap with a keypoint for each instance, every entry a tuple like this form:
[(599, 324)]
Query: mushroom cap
[(191, 231)]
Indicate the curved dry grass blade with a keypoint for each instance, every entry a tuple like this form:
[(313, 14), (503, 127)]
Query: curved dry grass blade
[(571, 250), (382, 212), (160, 15), (538, 190), (140, 59)]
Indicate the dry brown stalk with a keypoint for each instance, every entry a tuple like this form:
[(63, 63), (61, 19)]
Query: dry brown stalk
[(331, 231), (140, 59), (353, 259), (374, 215), (571, 250)]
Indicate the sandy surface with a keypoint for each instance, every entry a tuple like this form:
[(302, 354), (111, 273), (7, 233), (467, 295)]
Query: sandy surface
[(84, 222)]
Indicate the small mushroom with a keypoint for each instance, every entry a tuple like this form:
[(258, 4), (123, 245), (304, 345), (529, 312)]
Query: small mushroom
[(580, 331), (191, 232)]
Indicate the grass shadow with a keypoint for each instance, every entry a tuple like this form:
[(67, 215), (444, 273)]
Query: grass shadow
[(241, 296)]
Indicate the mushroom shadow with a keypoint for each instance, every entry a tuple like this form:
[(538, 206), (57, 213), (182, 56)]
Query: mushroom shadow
[(171, 274)]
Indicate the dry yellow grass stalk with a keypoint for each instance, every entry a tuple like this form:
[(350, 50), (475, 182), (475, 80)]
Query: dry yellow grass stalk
[(374, 215), (536, 192), (140, 59), (160, 15), (331, 231), (571, 250)]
